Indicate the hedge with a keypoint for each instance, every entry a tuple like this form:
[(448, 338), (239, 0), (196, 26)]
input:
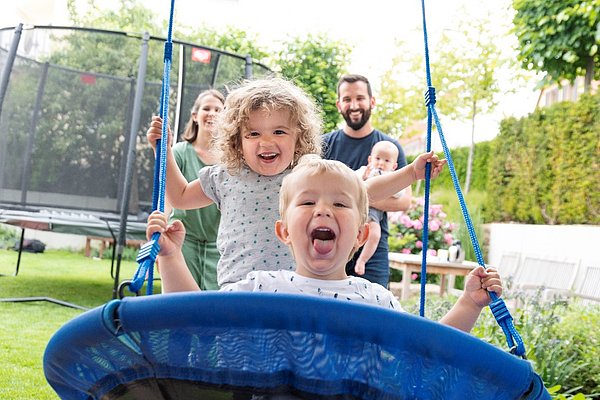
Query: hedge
[(540, 169)]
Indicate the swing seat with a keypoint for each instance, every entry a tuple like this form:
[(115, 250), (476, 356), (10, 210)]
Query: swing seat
[(274, 346)]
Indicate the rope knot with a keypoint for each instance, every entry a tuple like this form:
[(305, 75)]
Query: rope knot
[(149, 250), (430, 96), (168, 51), (499, 310)]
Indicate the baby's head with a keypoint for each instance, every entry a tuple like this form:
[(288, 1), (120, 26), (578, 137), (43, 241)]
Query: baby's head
[(323, 206), (261, 98), (384, 156)]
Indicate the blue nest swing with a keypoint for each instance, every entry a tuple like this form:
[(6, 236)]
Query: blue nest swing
[(212, 345)]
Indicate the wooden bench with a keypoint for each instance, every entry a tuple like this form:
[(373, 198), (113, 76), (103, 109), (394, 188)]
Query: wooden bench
[(409, 263), (106, 242)]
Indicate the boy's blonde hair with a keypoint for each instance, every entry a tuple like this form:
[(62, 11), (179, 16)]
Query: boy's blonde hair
[(269, 94), (312, 165)]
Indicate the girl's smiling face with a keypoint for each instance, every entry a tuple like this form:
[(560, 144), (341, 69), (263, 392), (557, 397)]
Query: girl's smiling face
[(269, 141), (206, 115)]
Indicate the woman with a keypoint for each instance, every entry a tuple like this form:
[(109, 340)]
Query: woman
[(201, 225)]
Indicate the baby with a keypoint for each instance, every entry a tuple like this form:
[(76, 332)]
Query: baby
[(381, 160), (323, 209)]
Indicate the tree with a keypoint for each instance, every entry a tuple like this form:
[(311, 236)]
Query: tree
[(231, 39), (399, 100), (315, 63), (559, 37), (464, 72), (467, 69)]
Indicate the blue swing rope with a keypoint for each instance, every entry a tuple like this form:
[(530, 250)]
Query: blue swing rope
[(498, 307), (149, 251)]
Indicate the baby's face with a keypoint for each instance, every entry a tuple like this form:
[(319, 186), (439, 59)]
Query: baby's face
[(269, 141), (323, 225), (383, 159)]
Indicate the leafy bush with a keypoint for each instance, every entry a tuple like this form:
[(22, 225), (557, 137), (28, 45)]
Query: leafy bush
[(561, 337), (8, 237), (406, 229), (539, 168)]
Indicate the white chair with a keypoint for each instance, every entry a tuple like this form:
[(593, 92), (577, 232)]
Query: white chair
[(589, 287), (554, 275), (509, 264)]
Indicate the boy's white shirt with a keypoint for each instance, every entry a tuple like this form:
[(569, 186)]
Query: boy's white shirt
[(283, 281)]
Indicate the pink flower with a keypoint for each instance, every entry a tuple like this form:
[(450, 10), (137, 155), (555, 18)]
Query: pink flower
[(405, 251), (431, 252), (442, 215), (434, 225), (448, 238), (418, 225), (414, 276), (406, 221), (435, 209), (419, 244), (395, 217)]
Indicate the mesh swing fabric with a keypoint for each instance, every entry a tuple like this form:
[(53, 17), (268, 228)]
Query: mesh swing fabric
[(261, 346)]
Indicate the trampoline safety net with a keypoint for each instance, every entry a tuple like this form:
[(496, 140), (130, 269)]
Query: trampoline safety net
[(66, 114)]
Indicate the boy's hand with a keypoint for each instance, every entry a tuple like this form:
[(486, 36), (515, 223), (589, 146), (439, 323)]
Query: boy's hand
[(479, 282), (171, 236), (419, 163), (155, 132)]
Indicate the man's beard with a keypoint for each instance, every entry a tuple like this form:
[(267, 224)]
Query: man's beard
[(366, 114)]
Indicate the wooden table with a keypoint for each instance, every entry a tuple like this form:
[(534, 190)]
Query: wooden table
[(409, 263)]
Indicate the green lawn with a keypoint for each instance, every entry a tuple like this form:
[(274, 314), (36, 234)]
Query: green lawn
[(27, 327)]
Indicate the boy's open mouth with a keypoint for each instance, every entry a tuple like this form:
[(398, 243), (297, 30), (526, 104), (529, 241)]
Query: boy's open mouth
[(322, 239)]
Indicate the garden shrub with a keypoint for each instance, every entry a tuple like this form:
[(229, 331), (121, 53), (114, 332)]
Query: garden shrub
[(561, 337), (541, 167)]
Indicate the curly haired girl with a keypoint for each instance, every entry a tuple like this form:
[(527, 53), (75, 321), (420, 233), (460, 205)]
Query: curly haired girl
[(265, 127)]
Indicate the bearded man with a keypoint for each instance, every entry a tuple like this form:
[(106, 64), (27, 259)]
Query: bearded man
[(352, 145)]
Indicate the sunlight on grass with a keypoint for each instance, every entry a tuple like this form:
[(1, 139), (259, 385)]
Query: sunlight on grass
[(27, 327)]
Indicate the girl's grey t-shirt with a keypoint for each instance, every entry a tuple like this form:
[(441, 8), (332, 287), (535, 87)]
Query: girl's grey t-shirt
[(249, 205)]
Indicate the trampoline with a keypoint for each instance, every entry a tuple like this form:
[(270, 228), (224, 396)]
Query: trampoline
[(73, 153)]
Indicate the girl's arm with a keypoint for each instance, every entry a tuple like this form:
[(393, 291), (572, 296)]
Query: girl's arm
[(475, 297), (393, 203), (383, 186), (181, 193)]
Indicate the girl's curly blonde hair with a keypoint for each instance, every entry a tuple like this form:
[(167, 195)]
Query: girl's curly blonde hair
[(269, 94)]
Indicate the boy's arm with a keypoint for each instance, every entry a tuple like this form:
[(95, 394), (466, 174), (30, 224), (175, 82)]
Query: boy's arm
[(174, 273), (475, 297), (181, 193), (384, 186)]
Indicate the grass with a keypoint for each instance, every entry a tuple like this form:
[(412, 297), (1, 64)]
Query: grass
[(27, 327)]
